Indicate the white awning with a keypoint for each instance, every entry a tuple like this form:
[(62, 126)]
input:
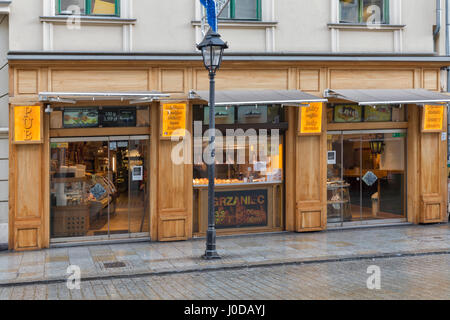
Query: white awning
[(371, 97), (73, 97), (256, 97)]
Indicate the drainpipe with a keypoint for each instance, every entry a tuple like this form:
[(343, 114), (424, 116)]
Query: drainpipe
[(438, 22)]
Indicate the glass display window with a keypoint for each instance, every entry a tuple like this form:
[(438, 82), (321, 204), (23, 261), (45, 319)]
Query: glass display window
[(245, 162)]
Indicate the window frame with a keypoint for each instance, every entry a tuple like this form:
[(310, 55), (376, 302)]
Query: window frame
[(232, 4), (386, 11), (88, 7)]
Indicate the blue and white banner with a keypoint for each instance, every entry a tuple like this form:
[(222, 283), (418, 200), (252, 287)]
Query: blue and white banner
[(211, 14)]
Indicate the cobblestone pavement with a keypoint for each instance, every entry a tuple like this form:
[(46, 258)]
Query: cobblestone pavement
[(419, 277), (146, 258)]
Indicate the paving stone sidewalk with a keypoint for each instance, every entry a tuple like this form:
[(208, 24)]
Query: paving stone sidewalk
[(147, 258)]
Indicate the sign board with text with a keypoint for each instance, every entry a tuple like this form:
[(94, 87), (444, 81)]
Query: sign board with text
[(241, 208), (173, 118), (433, 118), (311, 119), (28, 124)]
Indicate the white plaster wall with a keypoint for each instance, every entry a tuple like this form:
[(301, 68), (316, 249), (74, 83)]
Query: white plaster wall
[(164, 26), (88, 38), (302, 25), (25, 29), (373, 41), (419, 17), (244, 40)]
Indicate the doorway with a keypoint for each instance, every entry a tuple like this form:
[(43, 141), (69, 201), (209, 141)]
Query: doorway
[(99, 188), (366, 177)]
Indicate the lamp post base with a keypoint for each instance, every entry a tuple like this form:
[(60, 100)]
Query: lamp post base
[(211, 255)]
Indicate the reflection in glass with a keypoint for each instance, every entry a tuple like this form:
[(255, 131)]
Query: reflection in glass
[(103, 7)]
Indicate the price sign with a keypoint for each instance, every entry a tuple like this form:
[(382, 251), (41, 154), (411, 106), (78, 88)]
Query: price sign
[(173, 120), (433, 118), (311, 119)]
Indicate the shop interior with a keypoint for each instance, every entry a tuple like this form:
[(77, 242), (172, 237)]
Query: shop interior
[(366, 176), (99, 187)]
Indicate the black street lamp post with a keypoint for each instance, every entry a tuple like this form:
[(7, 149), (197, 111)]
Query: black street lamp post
[(212, 48)]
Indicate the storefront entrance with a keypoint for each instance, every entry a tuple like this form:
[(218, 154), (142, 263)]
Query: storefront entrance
[(99, 188), (366, 177)]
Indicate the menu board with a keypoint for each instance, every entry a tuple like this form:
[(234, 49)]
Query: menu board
[(115, 117), (95, 117), (377, 113), (80, 118), (347, 113), (224, 115), (27, 124), (311, 119), (173, 118), (433, 118), (243, 208), (252, 114)]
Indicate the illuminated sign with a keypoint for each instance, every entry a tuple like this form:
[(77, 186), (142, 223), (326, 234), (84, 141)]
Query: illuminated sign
[(173, 119), (311, 119), (27, 124), (433, 118)]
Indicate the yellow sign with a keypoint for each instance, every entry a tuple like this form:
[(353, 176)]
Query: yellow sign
[(433, 118), (311, 118), (27, 124), (173, 118)]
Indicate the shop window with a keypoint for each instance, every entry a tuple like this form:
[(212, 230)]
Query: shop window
[(99, 186), (348, 113), (364, 11), (88, 7), (248, 169), (99, 117), (242, 10)]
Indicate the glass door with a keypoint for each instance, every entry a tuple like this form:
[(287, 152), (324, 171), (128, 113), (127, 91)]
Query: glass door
[(99, 187), (366, 177)]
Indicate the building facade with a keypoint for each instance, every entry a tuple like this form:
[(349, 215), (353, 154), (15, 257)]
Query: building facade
[(4, 105), (343, 96)]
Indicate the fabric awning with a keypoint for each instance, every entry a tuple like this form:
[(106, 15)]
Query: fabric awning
[(371, 97), (72, 97), (252, 97)]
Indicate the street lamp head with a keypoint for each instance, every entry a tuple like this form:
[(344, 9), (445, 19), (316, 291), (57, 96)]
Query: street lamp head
[(212, 48)]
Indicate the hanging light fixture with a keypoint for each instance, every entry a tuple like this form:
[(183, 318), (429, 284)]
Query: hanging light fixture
[(377, 144)]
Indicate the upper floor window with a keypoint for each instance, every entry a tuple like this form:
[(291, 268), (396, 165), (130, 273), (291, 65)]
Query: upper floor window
[(88, 7), (364, 11), (242, 10)]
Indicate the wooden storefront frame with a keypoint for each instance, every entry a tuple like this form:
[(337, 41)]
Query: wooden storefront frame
[(305, 199)]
